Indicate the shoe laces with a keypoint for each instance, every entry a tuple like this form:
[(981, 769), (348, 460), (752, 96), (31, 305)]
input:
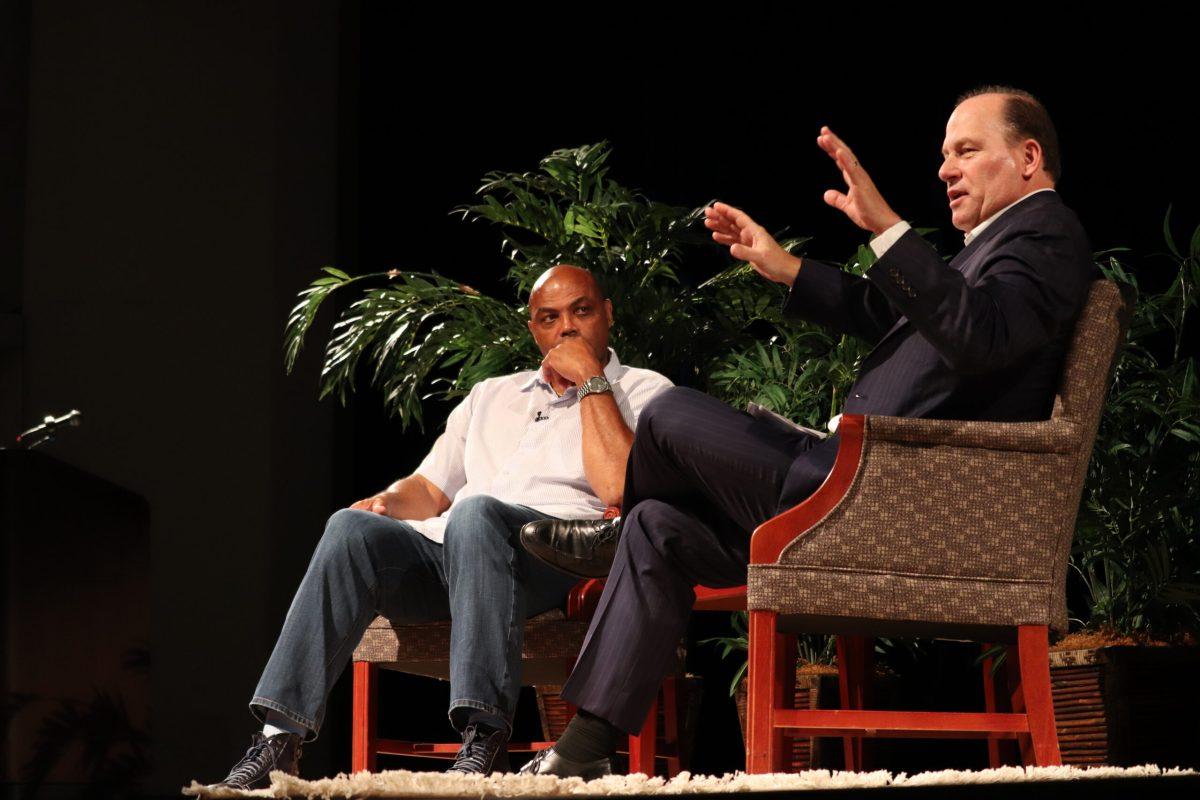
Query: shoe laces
[(531, 767), (475, 755), (608, 529), (258, 759)]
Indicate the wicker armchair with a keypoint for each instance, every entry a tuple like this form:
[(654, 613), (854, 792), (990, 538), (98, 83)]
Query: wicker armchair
[(933, 528)]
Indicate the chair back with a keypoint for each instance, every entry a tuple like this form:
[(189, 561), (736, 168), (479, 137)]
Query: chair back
[(938, 529), (1087, 368)]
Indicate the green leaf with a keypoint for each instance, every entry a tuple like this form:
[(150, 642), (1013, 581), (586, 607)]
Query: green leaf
[(1167, 234)]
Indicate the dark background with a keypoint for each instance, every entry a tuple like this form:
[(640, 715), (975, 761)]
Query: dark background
[(172, 174)]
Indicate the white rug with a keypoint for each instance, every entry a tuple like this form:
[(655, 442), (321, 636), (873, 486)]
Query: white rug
[(402, 783)]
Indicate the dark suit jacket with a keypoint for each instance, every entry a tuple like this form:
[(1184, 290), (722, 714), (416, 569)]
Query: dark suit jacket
[(981, 338)]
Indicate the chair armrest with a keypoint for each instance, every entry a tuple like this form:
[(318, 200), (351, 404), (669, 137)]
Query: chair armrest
[(1045, 436), (769, 539), (1052, 438)]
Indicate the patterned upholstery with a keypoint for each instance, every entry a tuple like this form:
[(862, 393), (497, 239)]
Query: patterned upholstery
[(551, 644), (959, 523)]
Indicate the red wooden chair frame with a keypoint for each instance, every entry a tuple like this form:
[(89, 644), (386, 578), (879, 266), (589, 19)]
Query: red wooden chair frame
[(367, 746)]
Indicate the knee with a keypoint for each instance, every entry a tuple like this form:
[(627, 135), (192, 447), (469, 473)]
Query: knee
[(349, 530), (477, 521), (643, 532), (661, 416)]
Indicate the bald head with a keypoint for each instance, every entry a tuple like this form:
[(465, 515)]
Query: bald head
[(567, 301), (568, 276)]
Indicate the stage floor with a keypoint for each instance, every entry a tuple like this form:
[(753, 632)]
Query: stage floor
[(1140, 783)]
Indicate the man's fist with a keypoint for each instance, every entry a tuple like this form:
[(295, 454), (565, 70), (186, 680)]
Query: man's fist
[(572, 359)]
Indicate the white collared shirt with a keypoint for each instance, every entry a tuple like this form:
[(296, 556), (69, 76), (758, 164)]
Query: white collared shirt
[(514, 439), (978, 229), (883, 241)]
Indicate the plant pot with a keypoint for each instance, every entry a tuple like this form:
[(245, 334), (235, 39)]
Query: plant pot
[(1127, 705), (801, 752)]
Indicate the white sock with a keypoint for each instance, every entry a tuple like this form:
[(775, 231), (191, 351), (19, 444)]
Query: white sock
[(277, 723)]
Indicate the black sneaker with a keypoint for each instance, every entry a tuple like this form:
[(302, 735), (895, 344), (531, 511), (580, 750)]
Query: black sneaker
[(281, 752), (483, 752)]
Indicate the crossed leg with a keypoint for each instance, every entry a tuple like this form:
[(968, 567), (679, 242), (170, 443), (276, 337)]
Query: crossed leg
[(701, 477)]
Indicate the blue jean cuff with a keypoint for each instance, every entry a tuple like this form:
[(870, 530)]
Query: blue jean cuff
[(259, 703), (478, 706)]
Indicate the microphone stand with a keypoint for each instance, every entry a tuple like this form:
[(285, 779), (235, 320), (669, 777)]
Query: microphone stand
[(40, 434)]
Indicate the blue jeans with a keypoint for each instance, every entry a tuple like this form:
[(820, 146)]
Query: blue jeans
[(366, 564)]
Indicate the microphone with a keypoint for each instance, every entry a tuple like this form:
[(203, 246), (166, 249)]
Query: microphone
[(44, 432)]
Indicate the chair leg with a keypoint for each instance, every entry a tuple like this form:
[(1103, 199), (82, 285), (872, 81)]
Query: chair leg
[(642, 744), (1016, 702), (989, 705), (363, 735), (1001, 752), (1033, 647), (785, 697), (670, 701), (853, 683), (762, 746)]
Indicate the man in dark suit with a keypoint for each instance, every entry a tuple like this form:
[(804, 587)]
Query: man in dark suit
[(980, 338)]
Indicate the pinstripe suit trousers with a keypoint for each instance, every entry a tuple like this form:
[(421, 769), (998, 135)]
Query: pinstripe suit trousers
[(701, 477)]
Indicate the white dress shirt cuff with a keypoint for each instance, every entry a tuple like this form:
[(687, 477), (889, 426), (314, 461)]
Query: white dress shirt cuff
[(883, 241)]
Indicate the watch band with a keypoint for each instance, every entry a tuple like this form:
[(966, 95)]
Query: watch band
[(594, 385)]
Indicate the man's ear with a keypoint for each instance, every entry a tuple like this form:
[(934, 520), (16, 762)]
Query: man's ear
[(1032, 158), (608, 311)]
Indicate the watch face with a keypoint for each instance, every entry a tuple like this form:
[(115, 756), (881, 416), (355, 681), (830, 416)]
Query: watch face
[(595, 384)]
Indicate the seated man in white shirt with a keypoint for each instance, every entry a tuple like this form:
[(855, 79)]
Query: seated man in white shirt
[(442, 542)]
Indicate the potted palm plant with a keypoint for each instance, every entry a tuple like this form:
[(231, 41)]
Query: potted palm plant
[(1124, 683), (421, 336)]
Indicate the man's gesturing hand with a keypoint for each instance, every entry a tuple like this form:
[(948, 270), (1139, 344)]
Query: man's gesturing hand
[(861, 202), (749, 241), (381, 503)]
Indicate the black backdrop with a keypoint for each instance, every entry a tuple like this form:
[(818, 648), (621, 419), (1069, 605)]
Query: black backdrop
[(702, 106), (188, 168)]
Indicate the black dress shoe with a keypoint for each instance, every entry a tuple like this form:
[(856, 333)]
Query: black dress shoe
[(584, 548), (483, 752), (548, 762), (281, 752)]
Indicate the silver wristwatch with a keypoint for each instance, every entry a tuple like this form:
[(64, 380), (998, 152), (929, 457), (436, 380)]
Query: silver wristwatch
[(593, 386)]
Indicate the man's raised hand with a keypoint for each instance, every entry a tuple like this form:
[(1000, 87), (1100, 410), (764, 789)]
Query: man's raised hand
[(861, 201), (749, 241)]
